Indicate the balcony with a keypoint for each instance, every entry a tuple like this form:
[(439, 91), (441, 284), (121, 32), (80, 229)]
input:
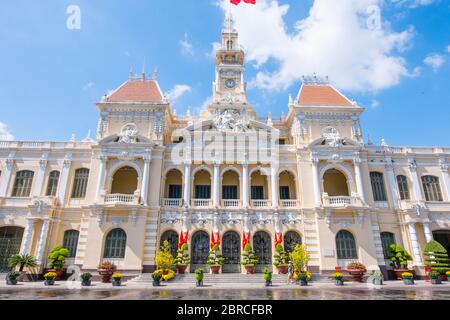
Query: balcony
[(172, 203), (260, 203), (229, 203), (201, 203), (127, 199), (288, 203), (341, 201)]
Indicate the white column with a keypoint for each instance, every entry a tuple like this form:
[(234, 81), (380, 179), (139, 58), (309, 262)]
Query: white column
[(216, 185), (427, 231), (6, 177), (393, 185), (145, 181), (40, 177), (245, 186), (27, 237), (316, 185), (42, 242), (64, 179), (415, 180), (274, 185), (187, 184), (101, 177), (415, 244), (446, 177), (358, 179)]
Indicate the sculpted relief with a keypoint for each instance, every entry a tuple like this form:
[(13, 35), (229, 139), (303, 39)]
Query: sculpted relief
[(230, 121), (129, 133)]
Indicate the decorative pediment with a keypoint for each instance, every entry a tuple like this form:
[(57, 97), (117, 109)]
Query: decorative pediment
[(117, 139)]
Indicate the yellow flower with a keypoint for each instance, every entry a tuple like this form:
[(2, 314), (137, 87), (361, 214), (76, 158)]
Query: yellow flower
[(117, 276)]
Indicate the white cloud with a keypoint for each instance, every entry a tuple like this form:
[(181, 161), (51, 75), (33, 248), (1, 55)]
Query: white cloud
[(448, 49), (5, 134), (332, 40), (187, 48), (375, 104), (414, 3), (435, 61), (88, 86), (177, 91)]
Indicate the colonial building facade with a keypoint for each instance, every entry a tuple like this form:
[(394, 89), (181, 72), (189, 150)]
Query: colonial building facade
[(226, 176)]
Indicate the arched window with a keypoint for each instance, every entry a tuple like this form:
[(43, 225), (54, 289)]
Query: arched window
[(291, 240), (71, 242), (80, 183), (432, 188), (346, 246), (387, 238), (379, 192), (22, 185), (402, 182), (52, 185), (172, 238), (115, 244)]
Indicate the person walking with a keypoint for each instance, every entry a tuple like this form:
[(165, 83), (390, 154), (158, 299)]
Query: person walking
[(291, 272)]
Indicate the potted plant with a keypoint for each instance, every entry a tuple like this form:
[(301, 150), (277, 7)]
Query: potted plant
[(106, 270), (199, 275), (408, 278), (182, 260), (165, 261), (249, 260), (215, 260), (11, 278), (86, 279), (436, 257), (50, 278), (300, 258), (399, 258), (302, 278), (434, 277), (357, 271), (22, 261), (448, 275), (281, 259), (377, 278), (157, 276), (57, 258), (117, 279), (268, 277), (338, 278)]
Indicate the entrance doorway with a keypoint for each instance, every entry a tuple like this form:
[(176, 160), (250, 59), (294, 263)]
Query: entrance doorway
[(231, 251), (263, 251), (10, 242), (443, 237), (200, 251)]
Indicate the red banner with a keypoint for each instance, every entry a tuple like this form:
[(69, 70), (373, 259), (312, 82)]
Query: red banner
[(278, 239), (237, 2), (184, 237), (215, 239), (245, 239)]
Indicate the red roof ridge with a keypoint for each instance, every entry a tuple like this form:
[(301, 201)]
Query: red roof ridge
[(135, 89), (322, 94)]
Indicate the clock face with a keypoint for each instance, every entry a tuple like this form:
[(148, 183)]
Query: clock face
[(230, 84)]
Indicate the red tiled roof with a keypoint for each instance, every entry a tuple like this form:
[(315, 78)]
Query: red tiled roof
[(322, 95), (137, 91)]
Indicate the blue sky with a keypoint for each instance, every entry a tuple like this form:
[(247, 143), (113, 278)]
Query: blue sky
[(51, 77)]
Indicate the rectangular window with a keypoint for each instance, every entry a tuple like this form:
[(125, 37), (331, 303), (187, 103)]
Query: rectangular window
[(52, 185), (257, 193), (80, 184), (379, 192), (23, 183), (284, 193), (230, 192), (202, 192), (174, 191), (403, 187)]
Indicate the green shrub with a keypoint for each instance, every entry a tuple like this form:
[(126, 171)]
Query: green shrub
[(199, 274), (164, 259), (58, 257), (299, 258), (182, 258), (22, 261), (436, 257), (86, 276), (267, 274), (215, 258), (281, 258), (398, 256), (248, 256)]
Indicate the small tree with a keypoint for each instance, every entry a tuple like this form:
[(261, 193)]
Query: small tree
[(300, 258), (182, 258), (248, 256), (215, 258), (164, 259), (398, 256), (281, 258), (22, 261), (436, 257), (58, 257)]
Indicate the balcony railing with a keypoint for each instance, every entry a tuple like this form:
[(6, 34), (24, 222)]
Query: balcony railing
[(260, 203), (341, 201), (288, 203), (229, 203), (201, 203), (172, 203), (120, 198)]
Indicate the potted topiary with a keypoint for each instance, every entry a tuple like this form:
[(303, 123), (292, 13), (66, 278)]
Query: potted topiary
[(199, 275), (408, 278), (399, 258), (281, 259), (215, 260), (157, 276), (117, 279), (434, 277), (268, 277), (22, 261), (106, 270), (249, 260), (50, 278), (436, 257), (86, 279), (300, 258), (165, 261), (303, 278), (357, 271), (57, 258), (182, 260), (448, 275), (338, 278), (11, 278), (377, 278)]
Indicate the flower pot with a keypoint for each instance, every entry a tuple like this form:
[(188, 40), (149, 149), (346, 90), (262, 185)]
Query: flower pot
[(435, 281), (443, 277), (250, 269), (156, 283), (22, 276), (116, 283), (85, 283), (408, 282), (106, 275), (199, 283), (282, 269), (377, 282), (215, 269), (268, 283), (398, 273), (181, 269), (11, 282), (49, 282), (339, 282), (60, 273), (303, 283), (357, 274)]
